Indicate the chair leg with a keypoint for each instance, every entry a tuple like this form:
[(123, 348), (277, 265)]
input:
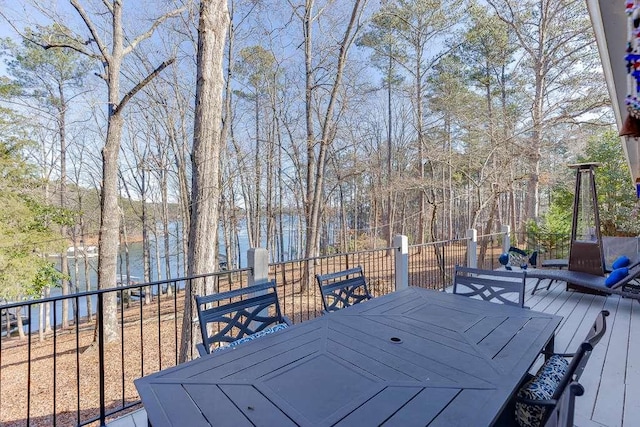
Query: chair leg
[(535, 288)]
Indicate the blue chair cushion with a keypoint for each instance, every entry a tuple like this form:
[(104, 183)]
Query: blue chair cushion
[(621, 261), (615, 276), (252, 337), (540, 387)]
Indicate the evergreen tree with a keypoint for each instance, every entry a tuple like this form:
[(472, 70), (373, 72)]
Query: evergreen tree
[(26, 233)]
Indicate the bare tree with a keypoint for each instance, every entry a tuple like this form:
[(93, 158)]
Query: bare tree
[(554, 36), (317, 145), (111, 57), (205, 190)]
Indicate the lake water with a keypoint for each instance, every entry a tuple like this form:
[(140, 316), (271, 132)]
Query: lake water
[(136, 269)]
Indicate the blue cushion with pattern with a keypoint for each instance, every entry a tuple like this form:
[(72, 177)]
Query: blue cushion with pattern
[(554, 369), (540, 387), (252, 337)]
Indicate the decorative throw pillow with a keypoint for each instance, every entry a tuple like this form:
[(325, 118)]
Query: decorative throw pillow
[(615, 276), (536, 389), (540, 387), (554, 369), (621, 261), (252, 337), (504, 259)]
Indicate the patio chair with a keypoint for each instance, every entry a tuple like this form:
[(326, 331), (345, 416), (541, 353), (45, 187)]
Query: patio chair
[(238, 316), (547, 397), (343, 289), (616, 283), (563, 413), (506, 287)]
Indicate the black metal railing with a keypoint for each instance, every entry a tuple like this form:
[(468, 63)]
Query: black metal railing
[(431, 265), (548, 245), (490, 247), (298, 292), (83, 374)]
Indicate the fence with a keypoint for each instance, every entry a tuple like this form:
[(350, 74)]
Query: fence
[(548, 245), (431, 265), (71, 376), (298, 293)]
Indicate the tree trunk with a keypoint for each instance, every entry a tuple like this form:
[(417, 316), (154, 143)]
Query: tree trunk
[(165, 229), (64, 261), (109, 223), (311, 232), (205, 192)]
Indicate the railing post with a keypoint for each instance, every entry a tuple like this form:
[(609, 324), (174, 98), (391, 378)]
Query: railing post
[(101, 359), (258, 262), (472, 248), (506, 242), (402, 261)]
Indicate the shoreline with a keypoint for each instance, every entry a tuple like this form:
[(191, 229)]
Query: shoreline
[(93, 240)]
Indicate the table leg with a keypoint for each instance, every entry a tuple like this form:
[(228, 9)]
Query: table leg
[(549, 348)]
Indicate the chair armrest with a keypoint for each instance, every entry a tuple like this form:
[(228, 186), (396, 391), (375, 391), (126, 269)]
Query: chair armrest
[(202, 350), (551, 353), (286, 320)]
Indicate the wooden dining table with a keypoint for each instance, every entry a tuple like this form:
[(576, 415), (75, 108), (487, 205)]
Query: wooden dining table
[(414, 357)]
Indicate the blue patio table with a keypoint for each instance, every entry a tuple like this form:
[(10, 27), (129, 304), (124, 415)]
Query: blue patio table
[(414, 357)]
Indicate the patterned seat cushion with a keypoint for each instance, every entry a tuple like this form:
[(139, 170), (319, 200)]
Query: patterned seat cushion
[(252, 337), (554, 369), (540, 387)]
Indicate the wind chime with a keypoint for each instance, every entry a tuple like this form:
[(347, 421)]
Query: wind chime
[(631, 126)]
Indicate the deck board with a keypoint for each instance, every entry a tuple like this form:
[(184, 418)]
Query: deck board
[(612, 376), (632, 380)]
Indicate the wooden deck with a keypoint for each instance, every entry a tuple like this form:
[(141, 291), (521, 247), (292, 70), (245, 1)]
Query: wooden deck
[(612, 376)]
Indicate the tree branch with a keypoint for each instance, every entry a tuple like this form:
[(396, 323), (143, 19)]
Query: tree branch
[(73, 46), (108, 5), (106, 57), (152, 29), (142, 84)]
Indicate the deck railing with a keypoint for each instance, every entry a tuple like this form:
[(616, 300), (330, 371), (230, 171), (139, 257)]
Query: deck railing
[(431, 265), (73, 376), (297, 289), (548, 245)]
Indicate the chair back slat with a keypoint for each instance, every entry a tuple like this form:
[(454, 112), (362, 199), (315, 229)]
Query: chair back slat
[(581, 357), (562, 414), (228, 316), (343, 288), (506, 287)]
